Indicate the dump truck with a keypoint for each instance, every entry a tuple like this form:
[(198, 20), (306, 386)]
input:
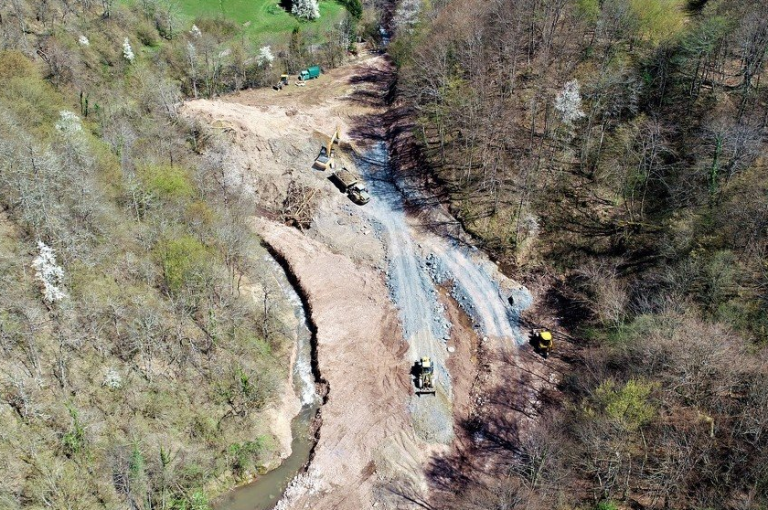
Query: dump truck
[(309, 73), (543, 342), (425, 376), (325, 159), (352, 185), (282, 83)]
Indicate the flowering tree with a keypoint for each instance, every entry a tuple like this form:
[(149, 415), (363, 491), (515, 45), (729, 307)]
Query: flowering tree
[(112, 379), (568, 103), (307, 9), (48, 272), (83, 40), (407, 15), (128, 51), (192, 59), (68, 122), (195, 32), (265, 56)]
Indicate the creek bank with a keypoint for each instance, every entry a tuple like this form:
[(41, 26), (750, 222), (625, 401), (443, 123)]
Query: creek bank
[(366, 436), (302, 412)]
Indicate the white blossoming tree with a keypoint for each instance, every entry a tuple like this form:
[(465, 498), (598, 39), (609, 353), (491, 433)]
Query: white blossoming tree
[(83, 40), (68, 122), (112, 379), (265, 57), (195, 32), (49, 273), (407, 15), (307, 9), (128, 51), (568, 103)]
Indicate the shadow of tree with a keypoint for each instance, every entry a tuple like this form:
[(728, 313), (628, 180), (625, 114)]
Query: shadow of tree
[(495, 464)]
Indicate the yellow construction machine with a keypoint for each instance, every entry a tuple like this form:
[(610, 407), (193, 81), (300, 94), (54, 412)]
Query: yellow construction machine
[(282, 83), (327, 153), (543, 342), (425, 376)]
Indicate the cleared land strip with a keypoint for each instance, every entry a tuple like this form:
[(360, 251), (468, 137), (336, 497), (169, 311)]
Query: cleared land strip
[(360, 354)]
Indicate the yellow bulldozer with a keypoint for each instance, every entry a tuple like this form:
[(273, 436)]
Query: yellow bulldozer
[(425, 376)]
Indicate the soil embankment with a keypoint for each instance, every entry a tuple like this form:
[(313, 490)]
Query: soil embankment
[(360, 354)]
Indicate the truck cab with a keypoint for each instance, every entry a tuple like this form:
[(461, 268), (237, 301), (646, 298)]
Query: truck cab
[(358, 193), (309, 73)]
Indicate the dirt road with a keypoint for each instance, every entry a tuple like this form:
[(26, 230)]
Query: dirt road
[(372, 276), (413, 292)]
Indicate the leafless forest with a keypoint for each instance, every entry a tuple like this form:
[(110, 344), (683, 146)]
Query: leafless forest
[(617, 149)]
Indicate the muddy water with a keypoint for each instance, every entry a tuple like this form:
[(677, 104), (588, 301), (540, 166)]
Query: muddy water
[(266, 491)]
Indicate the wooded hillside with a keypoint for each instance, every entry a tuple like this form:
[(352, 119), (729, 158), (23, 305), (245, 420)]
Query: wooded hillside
[(619, 145), (135, 363)]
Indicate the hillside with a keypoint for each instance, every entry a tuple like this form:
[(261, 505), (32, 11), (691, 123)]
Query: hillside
[(613, 154), (146, 342), (182, 289)]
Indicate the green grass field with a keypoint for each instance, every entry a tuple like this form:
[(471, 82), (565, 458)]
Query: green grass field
[(261, 19)]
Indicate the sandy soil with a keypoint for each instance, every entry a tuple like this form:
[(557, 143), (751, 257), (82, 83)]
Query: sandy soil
[(360, 354), (383, 290)]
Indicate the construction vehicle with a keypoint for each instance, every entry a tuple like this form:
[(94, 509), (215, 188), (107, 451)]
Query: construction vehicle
[(352, 185), (543, 342), (425, 376), (325, 159), (309, 73), (282, 83)]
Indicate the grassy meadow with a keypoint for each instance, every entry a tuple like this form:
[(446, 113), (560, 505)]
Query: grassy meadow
[(262, 20)]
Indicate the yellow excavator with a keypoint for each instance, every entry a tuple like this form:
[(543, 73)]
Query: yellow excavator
[(327, 153)]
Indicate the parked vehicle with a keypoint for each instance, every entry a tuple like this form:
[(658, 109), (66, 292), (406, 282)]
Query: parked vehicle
[(309, 73)]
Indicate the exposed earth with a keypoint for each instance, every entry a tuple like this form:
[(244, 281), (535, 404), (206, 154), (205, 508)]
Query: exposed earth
[(382, 289)]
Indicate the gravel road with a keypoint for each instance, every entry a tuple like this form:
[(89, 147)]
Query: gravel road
[(413, 293), (418, 261)]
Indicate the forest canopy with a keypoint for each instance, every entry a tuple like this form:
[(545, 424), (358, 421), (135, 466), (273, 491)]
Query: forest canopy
[(620, 146)]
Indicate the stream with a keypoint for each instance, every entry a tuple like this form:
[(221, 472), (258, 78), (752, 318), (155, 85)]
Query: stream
[(265, 492)]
